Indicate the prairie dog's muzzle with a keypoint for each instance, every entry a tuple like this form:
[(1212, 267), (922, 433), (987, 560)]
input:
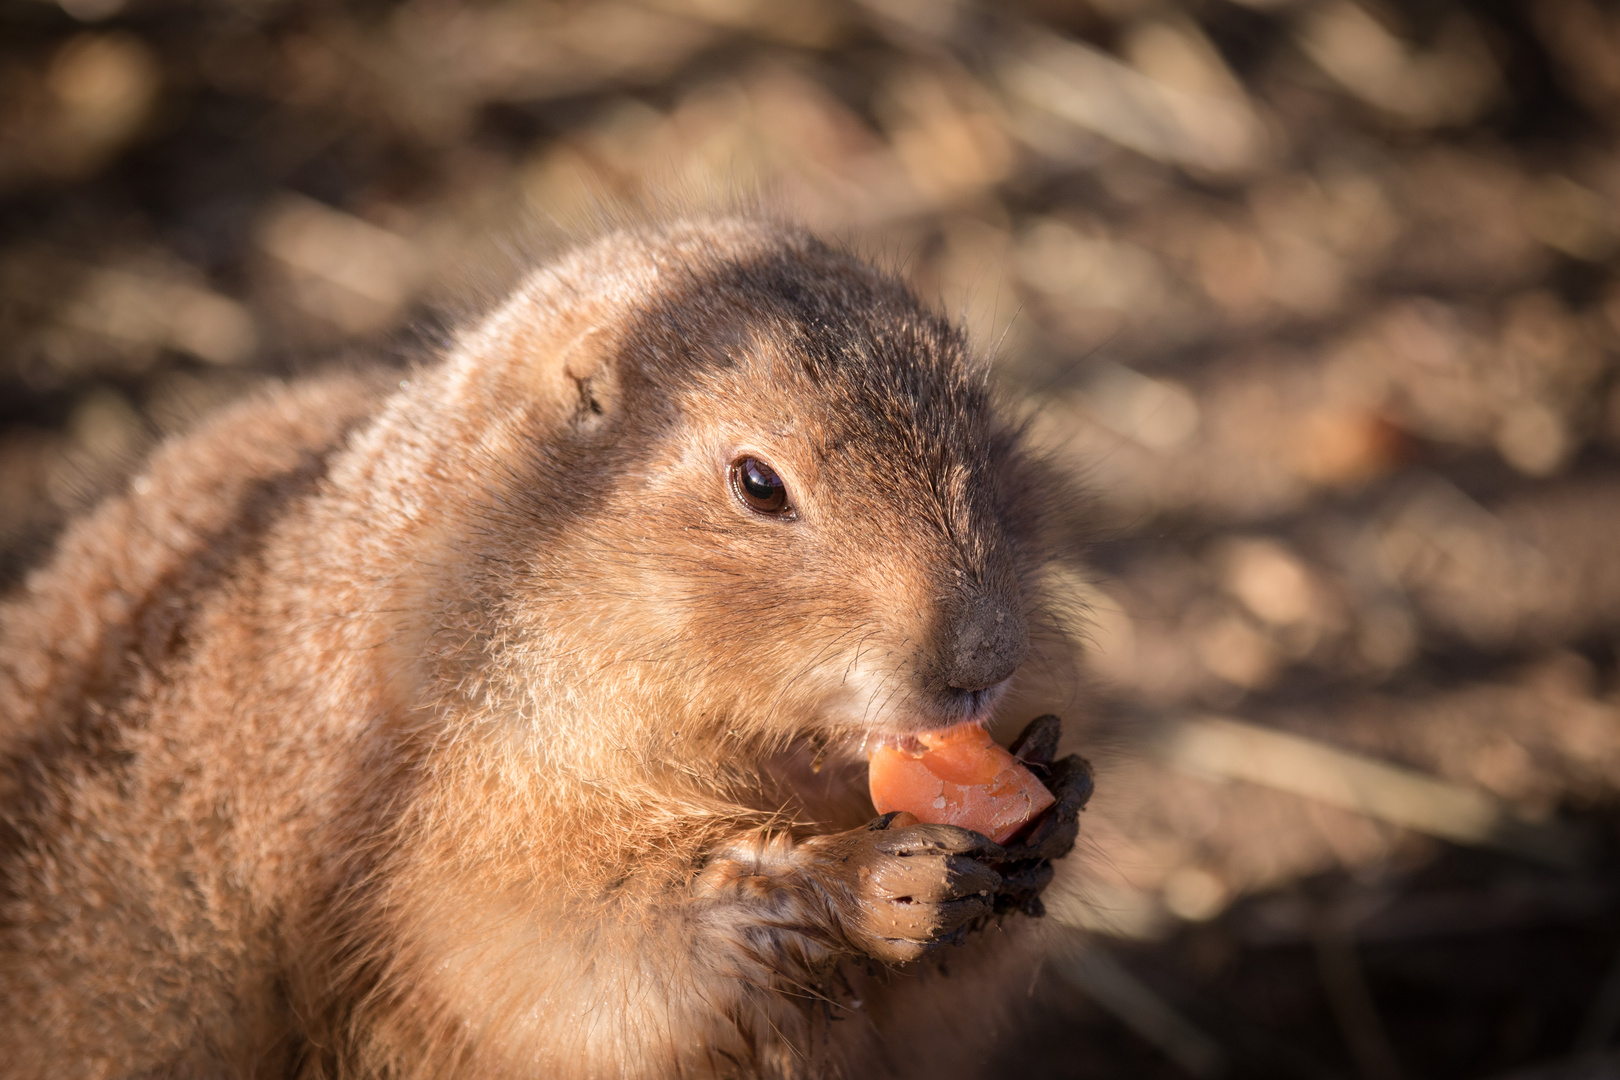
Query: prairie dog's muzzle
[(985, 642)]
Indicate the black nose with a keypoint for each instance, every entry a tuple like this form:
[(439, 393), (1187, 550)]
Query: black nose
[(986, 644)]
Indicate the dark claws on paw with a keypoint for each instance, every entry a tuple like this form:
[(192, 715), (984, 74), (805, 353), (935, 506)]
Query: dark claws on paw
[(914, 886), (1037, 744), (1026, 868), (1026, 878), (1031, 905), (1071, 779), (1053, 835), (939, 840)]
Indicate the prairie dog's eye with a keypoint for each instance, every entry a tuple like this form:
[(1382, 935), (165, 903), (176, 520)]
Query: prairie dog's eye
[(759, 488)]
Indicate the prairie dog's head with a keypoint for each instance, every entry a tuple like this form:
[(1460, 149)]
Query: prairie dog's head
[(745, 480)]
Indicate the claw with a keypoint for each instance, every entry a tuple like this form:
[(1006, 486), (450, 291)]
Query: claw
[(971, 877), (1051, 839), (1028, 878), (939, 840), (1037, 744), (1022, 884), (1071, 779), (1053, 834)]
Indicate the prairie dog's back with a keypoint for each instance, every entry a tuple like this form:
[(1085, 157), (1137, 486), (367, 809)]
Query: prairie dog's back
[(94, 651), (92, 620)]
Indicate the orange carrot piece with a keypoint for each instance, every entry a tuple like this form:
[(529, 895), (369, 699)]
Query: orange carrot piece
[(960, 777)]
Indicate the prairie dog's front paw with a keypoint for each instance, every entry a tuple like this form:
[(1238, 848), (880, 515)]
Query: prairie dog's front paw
[(902, 888), (1026, 868)]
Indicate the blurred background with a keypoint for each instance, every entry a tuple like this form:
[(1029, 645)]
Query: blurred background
[(1320, 297)]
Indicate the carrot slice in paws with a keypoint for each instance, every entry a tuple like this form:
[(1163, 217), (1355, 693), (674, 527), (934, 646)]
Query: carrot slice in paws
[(959, 776)]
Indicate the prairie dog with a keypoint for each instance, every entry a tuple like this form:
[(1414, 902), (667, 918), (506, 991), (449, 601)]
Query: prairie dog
[(507, 721)]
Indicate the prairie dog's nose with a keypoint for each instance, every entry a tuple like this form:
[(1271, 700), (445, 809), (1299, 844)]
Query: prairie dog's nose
[(988, 641)]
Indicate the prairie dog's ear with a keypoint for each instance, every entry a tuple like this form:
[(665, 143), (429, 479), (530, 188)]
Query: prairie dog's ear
[(595, 383), (579, 373)]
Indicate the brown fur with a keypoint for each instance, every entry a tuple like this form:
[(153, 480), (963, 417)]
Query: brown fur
[(466, 726)]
